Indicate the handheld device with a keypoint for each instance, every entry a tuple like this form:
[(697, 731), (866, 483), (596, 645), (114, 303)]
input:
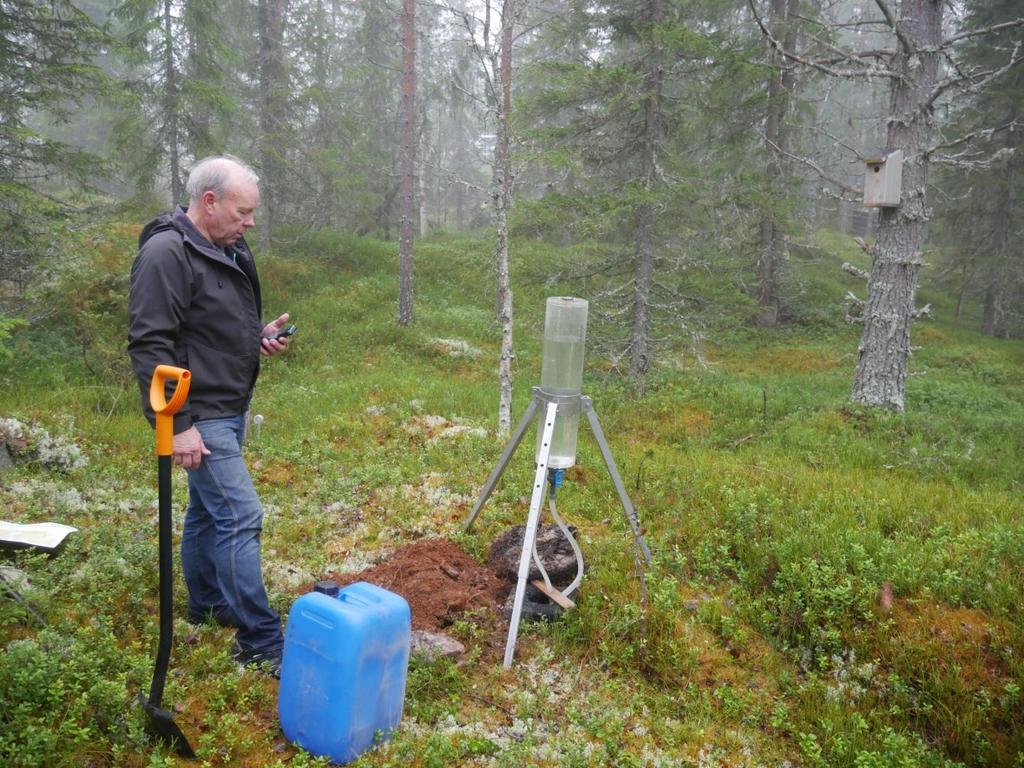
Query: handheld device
[(285, 332)]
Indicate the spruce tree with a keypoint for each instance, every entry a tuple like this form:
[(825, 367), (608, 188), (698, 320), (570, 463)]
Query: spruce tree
[(46, 50), (630, 118), (981, 210)]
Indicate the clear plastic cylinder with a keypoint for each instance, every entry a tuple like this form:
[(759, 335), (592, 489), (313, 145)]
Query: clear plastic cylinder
[(561, 373)]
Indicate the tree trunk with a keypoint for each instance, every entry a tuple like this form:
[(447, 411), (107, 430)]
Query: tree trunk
[(272, 104), (646, 214), (885, 342), (407, 161), (423, 137), (503, 201), (965, 283), (424, 195), (999, 287), (780, 85), (171, 106), (460, 155), (992, 310), (199, 53), (324, 114)]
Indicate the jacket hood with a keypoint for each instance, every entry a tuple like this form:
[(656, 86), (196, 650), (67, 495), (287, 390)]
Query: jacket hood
[(162, 222), (179, 221)]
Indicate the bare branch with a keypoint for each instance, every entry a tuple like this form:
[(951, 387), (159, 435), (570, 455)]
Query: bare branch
[(925, 311), (867, 71), (971, 161), (855, 271), (985, 134), (954, 65), (859, 24), (843, 198), (843, 54), (874, 53), (839, 142), (868, 249), (854, 303), (816, 168), (976, 81), (381, 65), (983, 31), (891, 18)]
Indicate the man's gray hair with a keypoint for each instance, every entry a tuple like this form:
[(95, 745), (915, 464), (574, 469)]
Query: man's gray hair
[(214, 174)]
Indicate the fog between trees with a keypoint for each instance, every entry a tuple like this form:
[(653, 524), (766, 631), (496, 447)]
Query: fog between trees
[(659, 135)]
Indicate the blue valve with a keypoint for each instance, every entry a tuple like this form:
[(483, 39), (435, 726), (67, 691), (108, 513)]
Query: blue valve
[(556, 477)]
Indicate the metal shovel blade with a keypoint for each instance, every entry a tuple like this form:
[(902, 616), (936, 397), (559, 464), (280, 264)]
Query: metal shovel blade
[(160, 723)]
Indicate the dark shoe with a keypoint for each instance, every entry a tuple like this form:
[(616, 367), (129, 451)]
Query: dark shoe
[(221, 618), (263, 662)]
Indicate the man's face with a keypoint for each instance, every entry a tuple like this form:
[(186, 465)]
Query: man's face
[(232, 215)]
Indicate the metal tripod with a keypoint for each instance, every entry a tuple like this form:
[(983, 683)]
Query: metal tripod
[(554, 404)]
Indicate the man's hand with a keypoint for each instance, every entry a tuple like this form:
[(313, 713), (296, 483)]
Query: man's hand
[(189, 448), (269, 346)]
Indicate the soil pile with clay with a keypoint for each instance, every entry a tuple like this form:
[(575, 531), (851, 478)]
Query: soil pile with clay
[(438, 579)]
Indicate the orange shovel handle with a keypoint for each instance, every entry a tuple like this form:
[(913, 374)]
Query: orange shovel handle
[(165, 409)]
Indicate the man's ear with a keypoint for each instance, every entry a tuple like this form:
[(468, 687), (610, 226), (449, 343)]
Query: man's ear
[(209, 198)]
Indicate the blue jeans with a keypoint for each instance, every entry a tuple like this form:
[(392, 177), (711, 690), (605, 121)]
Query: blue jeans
[(220, 543)]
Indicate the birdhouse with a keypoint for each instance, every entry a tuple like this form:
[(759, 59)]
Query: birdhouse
[(883, 179)]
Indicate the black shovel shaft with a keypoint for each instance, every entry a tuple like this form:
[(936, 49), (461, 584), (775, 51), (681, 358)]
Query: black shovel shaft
[(163, 654)]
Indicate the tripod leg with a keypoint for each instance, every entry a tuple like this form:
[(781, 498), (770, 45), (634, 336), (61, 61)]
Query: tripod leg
[(499, 468), (620, 488), (530, 535)]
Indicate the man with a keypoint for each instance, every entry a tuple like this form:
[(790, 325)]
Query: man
[(195, 303)]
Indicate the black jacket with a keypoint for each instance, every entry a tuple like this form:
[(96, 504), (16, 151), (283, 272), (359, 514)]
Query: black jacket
[(197, 307)]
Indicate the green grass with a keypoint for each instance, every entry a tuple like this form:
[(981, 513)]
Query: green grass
[(775, 509)]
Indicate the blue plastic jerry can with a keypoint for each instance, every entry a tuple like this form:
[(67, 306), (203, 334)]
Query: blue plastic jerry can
[(344, 670)]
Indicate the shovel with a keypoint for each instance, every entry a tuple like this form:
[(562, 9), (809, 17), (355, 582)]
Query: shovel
[(160, 722)]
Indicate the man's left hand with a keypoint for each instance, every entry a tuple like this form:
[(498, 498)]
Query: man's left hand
[(268, 346)]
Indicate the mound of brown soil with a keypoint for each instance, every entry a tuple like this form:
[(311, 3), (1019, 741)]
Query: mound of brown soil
[(438, 579)]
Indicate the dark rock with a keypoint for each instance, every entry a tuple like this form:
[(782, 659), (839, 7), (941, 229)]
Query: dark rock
[(536, 606), (6, 461)]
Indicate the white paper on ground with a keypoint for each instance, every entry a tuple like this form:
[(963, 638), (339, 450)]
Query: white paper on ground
[(46, 535)]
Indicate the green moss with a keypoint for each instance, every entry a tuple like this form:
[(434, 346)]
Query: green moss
[(775, 509)]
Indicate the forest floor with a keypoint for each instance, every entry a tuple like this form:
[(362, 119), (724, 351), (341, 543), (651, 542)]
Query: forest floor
[(831, 585)]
